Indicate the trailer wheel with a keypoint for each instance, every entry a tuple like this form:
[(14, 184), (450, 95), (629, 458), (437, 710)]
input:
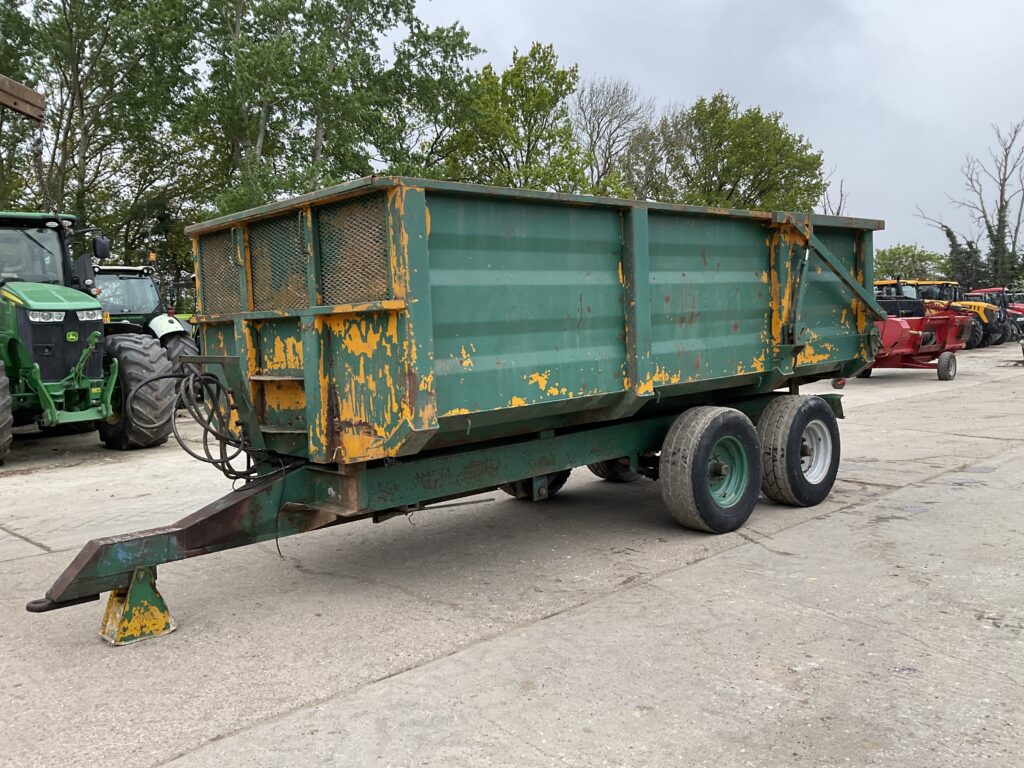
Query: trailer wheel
[(614, 471), (946, 366), (800, 449), (523, 489), (710, 469), (6, 414), (149, 423)]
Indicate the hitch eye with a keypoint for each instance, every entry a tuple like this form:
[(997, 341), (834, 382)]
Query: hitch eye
[(45, 317)]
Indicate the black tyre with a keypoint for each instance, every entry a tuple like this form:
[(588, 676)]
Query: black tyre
[(148, 422), (614, 471), (976, 334), (865, 374), (523, 489), (6, 414), (947, 366), (177, 345), (995, 336), (800, 449), (710, 469)]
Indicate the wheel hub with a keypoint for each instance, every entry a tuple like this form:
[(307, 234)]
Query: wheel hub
[(728, 471), (815, 451)]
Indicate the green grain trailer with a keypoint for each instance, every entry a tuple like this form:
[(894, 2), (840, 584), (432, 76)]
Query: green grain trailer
[(391, 343)]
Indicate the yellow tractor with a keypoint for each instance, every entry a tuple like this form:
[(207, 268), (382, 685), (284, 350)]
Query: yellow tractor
[(987, 325)]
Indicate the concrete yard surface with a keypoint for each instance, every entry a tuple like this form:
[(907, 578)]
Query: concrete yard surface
[(883, 627)]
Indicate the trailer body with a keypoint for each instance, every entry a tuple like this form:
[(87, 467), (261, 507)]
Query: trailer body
[(388, 317)]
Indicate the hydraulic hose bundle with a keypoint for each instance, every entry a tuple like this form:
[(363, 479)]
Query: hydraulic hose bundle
[(210, 404)]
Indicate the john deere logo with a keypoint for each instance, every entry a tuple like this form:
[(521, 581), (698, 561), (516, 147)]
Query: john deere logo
[(72, 336)]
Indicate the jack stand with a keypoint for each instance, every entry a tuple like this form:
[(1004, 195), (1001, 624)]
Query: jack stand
[(136, 613)]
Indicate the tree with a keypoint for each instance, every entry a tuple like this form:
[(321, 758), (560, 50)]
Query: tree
[(715, 155), (910, 262), (966, 264), (16, 61), (519, 133), (995, 200), (113, 72), (606, 115), (429, 100)]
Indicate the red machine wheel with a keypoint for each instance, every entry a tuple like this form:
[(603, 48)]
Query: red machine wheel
[(947, 366)]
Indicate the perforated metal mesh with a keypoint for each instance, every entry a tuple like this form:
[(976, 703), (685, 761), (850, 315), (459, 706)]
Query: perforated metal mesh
[(354, 251), (279, 263), (218, 274)]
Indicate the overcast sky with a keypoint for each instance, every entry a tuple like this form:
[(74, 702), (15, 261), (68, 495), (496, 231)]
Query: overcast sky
[(894, 93)]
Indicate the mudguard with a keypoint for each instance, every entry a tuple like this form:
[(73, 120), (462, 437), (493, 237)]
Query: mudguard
[(165, 325)]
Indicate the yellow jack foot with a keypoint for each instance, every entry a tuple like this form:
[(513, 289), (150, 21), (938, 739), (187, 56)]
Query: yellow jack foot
[(136, 613)]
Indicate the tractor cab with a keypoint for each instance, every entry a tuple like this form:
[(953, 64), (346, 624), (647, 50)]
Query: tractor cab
[(128, 295)]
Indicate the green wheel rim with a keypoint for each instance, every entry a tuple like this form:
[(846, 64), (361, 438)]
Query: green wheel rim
[(728, 471)]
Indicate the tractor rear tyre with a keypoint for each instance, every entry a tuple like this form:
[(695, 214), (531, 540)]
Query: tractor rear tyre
[(614, 471), (6, 414), (710, 469), (148, 423), (800, 450), (177, 345), (975, 334), (947, 366)]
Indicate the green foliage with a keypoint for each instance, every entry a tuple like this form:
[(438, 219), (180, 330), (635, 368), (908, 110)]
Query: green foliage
[(966, 264), (910, 262), (518, 132), (16, 59), (715, 155)]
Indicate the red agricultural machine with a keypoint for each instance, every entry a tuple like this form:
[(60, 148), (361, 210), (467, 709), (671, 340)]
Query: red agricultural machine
[(912, 337)]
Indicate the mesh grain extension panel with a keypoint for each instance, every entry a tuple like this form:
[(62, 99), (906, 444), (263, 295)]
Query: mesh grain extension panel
[(348, 237)]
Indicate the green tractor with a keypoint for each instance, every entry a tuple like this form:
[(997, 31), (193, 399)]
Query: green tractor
[(60, 367), (132, 304)]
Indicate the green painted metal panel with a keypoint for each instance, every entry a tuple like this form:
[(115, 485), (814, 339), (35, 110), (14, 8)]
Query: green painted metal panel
[(527, 302)]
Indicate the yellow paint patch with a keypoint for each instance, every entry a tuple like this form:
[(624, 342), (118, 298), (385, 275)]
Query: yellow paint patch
[(456, 412), (287, 355), (284, 395), (809, 355), (540, 379), (146, 619), (466, 361), (515, 402)]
